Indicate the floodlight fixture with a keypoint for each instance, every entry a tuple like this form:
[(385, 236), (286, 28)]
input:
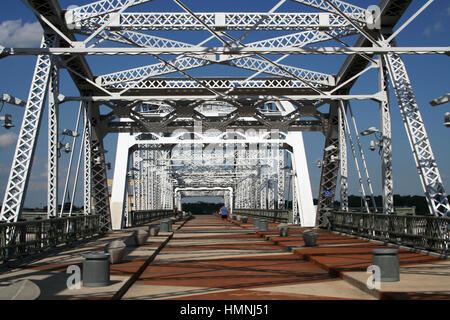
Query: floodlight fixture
[(371, 130)]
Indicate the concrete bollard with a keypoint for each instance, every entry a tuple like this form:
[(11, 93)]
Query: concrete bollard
[(153, 230), (310, 238), (283, 228), (116, 250), (256, 223), (263, 225), (130, 241), (96, 269), (165, 226), (387, 260), (140, 236)]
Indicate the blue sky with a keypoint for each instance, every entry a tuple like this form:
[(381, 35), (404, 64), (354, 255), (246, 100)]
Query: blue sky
[(428, 73)]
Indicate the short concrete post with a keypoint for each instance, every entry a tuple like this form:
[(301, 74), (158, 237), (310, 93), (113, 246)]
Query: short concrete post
[(263, 225), (283, 228), (116, 250), (96, 270), (140, 237), (310, 238), (256, 223), (387, 260), (165, 226), (153, 230)]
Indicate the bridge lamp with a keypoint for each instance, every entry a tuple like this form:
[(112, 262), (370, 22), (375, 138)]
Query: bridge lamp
[(100, 150), (71, 133), (8, 121), (319, 163), (12, 100), (334, 158), (373, 144), (65, 146), (6, 98), (371, 130), (441, 100)]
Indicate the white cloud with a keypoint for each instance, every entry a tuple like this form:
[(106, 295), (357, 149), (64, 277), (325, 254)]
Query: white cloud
[(7, 139), (14, 34)]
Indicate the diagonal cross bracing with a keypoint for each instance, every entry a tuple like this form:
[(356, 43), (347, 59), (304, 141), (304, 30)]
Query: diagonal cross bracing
[(350, 10)]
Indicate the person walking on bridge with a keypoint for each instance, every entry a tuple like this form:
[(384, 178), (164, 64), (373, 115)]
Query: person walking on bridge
[(224, 213)]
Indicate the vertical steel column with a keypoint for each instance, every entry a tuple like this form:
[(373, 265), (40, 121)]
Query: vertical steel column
[(270, 180), (120, 181), (53, 143), (330, 164), (343, 183), (304, 210), (145, 171), (151, 183), (295, 212), (281, 183), (387, 179), (263, 177), (100, 193), (87, 146), (136, 182)]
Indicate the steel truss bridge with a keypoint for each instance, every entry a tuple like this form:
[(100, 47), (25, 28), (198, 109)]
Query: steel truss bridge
[(249, 148)]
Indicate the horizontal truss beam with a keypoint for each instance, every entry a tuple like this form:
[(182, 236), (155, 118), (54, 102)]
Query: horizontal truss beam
[(225, 51), (241, 21)]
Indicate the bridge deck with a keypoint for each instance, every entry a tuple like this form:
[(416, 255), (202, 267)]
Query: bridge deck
[(204, 260)]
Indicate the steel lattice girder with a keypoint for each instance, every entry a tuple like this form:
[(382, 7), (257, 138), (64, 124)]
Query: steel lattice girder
[(101, 10), (330, 164), (352, 11), (53, 112), (26, 144), (418, 138), (128, 78), (224, 21), (386, 147), (223, 51)]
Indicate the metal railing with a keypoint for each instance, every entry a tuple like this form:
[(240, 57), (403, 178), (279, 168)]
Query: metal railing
[(31, 237), (140, 217), (269, 214), (419, 232)]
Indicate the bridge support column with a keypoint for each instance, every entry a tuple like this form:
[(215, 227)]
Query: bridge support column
[(330, 164), (119, 186), (307, 212)]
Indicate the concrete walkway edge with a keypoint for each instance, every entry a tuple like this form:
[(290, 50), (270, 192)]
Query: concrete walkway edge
[(123, 290)]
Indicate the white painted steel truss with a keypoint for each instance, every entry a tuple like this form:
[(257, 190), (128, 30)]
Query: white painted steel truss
[(156, 100)]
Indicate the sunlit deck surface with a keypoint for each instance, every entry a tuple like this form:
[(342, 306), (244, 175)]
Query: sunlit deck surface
[(203, 259)]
